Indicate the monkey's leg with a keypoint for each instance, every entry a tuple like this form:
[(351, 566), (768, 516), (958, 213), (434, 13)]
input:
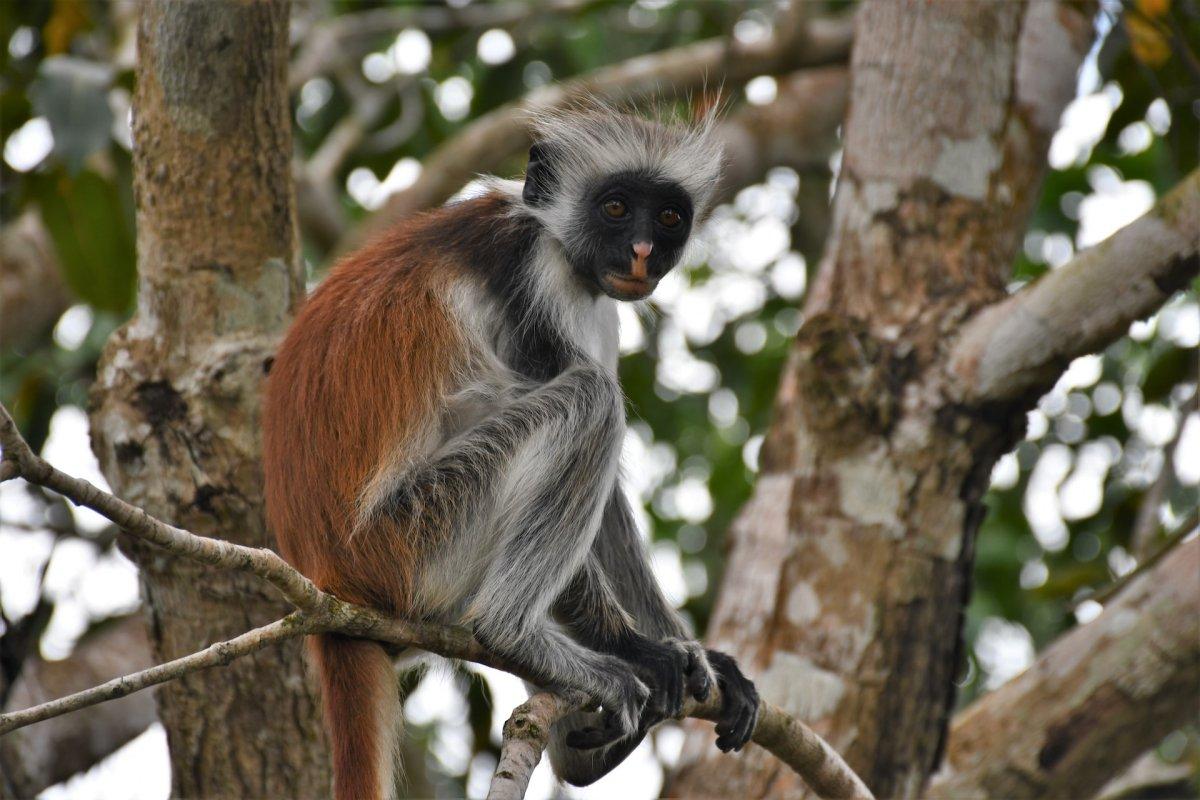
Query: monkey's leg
[(585, 746), (550, 509), (587, 605), (671, 666)]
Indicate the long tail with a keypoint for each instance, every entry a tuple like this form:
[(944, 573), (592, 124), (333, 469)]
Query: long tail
[(582, 767), (362, 712)]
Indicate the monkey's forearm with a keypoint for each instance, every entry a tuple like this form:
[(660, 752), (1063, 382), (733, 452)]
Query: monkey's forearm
[(457, 479)]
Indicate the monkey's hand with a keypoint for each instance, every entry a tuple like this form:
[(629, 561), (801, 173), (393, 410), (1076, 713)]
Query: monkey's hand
[(622, 697), (739, 703), (672, 669)]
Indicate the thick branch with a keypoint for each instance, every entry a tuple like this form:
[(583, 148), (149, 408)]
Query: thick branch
[(502, 133), (349, 36), (798, 129), (789, 739), (1025, 341), (32, 293), (1092, 702)]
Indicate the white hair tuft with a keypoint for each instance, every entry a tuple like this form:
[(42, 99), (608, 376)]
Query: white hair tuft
[(591, 139)]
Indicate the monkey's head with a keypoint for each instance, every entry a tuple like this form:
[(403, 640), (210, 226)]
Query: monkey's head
[(621, 194)]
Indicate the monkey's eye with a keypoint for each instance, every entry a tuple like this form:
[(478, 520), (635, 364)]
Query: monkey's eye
[(669, 218), (614, 208)]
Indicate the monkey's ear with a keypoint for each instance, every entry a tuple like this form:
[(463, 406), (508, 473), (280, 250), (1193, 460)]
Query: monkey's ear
[(540, 180)]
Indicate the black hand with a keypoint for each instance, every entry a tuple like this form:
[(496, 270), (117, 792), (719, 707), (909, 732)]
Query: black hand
[(739, 703)]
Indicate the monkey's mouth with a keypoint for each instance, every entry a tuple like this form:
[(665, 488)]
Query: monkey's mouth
[(624, 288)]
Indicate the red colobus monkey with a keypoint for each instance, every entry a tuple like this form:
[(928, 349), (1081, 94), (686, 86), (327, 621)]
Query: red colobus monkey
[(442, 432)]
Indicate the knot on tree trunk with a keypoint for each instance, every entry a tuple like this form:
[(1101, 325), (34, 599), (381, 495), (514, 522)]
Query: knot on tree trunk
[(850, 380)]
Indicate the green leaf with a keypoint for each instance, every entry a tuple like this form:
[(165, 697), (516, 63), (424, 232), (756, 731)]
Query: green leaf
[(92, 227), (72, 94)]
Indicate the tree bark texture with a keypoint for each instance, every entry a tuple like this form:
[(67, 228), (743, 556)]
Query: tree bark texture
[(1092, 702), (849, 568), (175, 417)]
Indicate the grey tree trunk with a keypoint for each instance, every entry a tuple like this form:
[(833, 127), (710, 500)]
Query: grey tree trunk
[(175, 415), (850, 566)]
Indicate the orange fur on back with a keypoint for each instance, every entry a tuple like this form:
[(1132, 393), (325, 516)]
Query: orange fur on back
[(363, 368), (362, 371)]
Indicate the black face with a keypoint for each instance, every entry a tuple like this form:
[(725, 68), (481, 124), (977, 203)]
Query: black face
[(630, 232)]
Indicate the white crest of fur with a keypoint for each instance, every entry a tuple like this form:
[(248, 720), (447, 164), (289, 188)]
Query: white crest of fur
[(586, 144)]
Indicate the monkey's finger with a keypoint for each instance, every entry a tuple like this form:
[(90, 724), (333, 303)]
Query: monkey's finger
[(744, 727), (675, 695), (730, 737), (726, 727), (698, 685)]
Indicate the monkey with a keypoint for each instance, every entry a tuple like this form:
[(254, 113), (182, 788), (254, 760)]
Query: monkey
[(442, 428)]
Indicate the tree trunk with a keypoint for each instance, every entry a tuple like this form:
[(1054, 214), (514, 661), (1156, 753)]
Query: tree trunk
[(175, 417), (849, 568)]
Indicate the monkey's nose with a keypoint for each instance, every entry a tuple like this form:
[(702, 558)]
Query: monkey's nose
[(641, 251)]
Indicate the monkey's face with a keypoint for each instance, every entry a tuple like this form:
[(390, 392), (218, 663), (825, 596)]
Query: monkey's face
[(629, 232)]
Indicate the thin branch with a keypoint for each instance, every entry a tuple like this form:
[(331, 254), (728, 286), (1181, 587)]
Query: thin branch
[(40, 756), (526, 734), (1147, 562), (349, 36), (789, 739), (1146, 524), (502, 133), (1023, 342), (218, 654), (20, 460)]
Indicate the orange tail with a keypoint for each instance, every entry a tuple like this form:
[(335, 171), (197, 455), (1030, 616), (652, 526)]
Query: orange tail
[(362, 712)]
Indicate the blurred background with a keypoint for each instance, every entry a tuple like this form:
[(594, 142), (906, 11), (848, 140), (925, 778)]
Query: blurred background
[(1108, 473)]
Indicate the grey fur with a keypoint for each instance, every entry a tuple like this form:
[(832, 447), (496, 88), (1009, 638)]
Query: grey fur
[(519, 479)]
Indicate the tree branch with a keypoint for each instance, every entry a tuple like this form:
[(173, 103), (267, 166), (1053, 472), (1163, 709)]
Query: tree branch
[(218, 654), (526, 734), (32, 292), (349, 36), (1092, 701), (20, 460), (798, 129), (528, 729), (502, 133), (1025, 341), (789, 739)]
